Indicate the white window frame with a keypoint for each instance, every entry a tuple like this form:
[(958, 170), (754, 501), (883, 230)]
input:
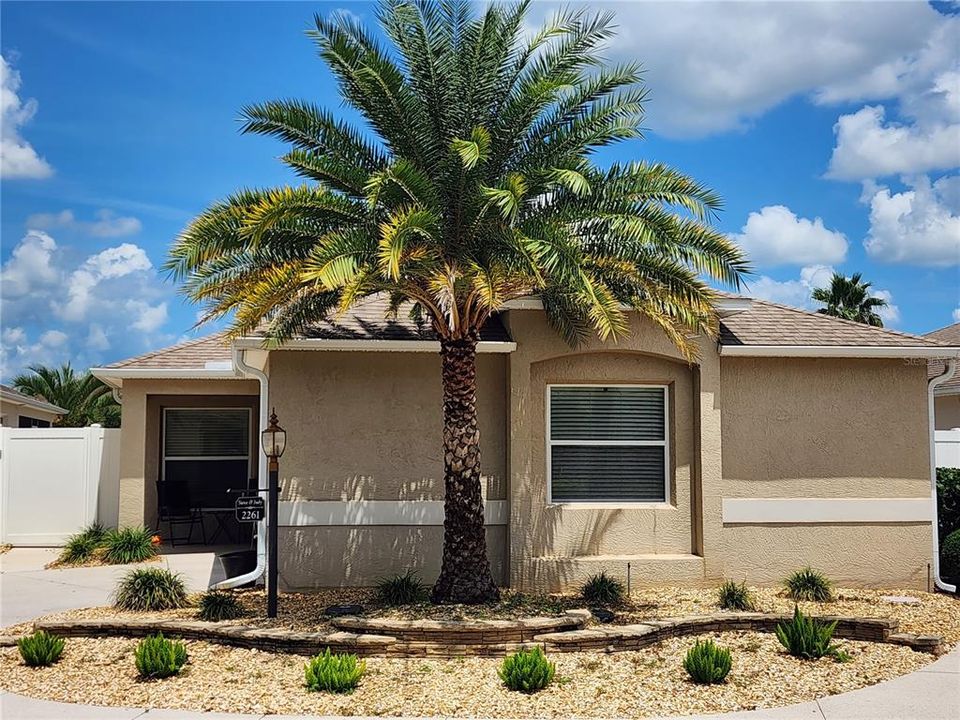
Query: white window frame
[(665, 444), (163, 442)]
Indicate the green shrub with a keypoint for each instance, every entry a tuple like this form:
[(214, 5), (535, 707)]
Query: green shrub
[(150, 589), (129, 545), (601, 589), (806, 637), (527, 670), (950, 556), (948, 500), (731, 596), (333, 672), (707, 663), (157, 657), (403, 589), (81, 547), (40, 649), (809, 584), (216, 605)]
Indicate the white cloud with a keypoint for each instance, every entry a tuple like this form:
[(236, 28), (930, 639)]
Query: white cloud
[(956, 314), (18, 159), (712, 67), (58, 308), (889, 313), (920, 226), (776, 236), (106, 225), (795, 293), (869, 147)]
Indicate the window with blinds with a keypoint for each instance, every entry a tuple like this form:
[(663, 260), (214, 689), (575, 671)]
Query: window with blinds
[(206, 433), (607, 443)]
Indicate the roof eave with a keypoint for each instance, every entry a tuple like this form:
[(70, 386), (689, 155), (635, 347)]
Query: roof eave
[(726, 306), (367, 345), (35, 404), (840, 351), (114, 377)]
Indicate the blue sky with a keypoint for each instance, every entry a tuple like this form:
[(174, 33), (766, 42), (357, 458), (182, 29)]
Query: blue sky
[(831, 130)]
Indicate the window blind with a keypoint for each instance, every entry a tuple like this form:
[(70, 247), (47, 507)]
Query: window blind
[(202, 432), (608, 444)]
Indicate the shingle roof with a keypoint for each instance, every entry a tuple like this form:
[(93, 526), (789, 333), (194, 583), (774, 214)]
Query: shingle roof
[(18, 398), (949, 335), (767, 323), (192, 355)]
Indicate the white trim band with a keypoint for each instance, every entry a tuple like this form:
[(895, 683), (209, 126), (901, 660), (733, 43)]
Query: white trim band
[(851, 351), (431, 346), (327, 513), (766, 511)]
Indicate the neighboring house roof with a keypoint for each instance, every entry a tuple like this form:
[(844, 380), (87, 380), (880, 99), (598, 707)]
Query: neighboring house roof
[(747, 327), (15, 397), (949, 335)]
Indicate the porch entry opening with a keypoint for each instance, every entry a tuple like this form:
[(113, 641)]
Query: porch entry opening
[(205, 453), (607, 444)]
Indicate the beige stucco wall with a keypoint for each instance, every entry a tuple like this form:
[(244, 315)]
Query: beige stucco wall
[(825, 428), (946, 409), (140, 433), (10, 414), (555, 545)]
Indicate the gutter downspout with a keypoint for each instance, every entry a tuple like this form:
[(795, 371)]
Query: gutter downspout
[(951, 367), (243, 369)]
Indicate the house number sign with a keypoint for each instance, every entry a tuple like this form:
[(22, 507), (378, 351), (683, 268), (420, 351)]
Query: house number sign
[(249, 509)]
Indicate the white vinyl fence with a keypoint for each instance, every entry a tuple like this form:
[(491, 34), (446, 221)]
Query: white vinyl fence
[(948, 448), (53, 481)]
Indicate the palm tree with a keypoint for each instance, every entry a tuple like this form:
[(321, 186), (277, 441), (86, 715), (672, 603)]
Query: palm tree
[(87, 398), (472, 183), (850, 298)]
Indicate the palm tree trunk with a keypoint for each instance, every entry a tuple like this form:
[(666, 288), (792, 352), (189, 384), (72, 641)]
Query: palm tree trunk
[(465, 575)]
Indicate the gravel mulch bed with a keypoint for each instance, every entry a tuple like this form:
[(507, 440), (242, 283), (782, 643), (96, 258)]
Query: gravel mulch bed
[(630, 684)]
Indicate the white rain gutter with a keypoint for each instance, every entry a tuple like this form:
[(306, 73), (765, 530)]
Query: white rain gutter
[(843, 351), (951, 367), (243, 369)]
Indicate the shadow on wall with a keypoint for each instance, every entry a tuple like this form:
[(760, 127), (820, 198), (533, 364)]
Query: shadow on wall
[(366, 487)]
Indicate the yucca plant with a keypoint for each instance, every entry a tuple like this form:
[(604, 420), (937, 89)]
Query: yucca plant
[(40, 649), (157, 657), (216, 605), (82, 546), (527, 670), (472, 183), (404, 589), (806, 637), (733, 596), (601, 589), (707, 663), (129, 545), (150, 589), (333, 672), (809, 584)]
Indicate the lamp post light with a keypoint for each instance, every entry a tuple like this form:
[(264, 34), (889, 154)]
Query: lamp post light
[(274, 441)]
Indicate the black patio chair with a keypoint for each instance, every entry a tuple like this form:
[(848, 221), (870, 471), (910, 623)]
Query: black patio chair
[(175, 509)]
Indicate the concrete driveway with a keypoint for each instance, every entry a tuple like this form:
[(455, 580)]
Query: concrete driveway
[(27, 590)]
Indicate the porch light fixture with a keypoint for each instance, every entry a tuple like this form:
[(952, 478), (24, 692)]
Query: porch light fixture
[(274, 438)]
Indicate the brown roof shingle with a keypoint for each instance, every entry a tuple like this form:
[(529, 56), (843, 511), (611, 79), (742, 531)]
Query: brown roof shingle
[(190, 355), (949, 335)]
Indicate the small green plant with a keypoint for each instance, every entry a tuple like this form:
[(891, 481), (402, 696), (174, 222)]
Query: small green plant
[(129, 545), (808, 638), (601, 589), (707, 663), (40, 649), (809, 584), (216, 605), (403, 589), (732, 596), (950, 555), (81, 547), (333, 672), (150, 589), (157, 657), (527, 670)]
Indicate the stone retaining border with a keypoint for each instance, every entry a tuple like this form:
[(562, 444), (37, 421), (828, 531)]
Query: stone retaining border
[(479, 637), (466, 632)]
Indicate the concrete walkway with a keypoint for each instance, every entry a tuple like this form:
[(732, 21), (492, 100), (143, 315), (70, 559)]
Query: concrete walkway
[(27, 590)]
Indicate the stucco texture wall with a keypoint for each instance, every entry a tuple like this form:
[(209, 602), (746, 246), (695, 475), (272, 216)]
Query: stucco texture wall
[(140, 433), (10, 414), (825, 428), (555, 545), (947, 411)]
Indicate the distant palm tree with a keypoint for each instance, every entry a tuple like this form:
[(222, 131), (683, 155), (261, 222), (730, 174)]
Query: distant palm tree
[(87, 398), (850, 298), (472, 182)]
